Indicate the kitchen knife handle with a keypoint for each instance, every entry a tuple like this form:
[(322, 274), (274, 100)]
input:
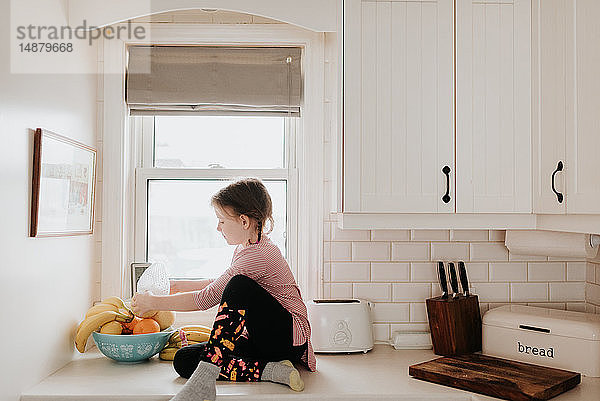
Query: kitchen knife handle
[(464, 282), (453, 280), (442, 279)]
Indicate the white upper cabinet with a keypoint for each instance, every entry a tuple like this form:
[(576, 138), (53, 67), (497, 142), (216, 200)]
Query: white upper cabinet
[(398, 106), (583, 129), (493, 106), (400, 103), (569, 104), (550, 103)]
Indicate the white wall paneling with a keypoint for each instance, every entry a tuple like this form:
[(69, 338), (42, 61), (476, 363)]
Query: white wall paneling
[(550, 103), (583, 120), (567, 98), (398, 105), (493, 111)]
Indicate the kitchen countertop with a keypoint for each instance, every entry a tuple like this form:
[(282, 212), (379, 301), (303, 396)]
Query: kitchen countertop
[(381, 374)]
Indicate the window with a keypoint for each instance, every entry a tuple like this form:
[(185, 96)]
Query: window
[(127, 155), (184, 161)]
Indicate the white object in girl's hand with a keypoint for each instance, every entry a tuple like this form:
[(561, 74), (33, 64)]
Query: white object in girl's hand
[(155, 280)]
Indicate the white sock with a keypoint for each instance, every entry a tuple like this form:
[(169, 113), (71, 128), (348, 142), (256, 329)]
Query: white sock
[(201, 386), (283, 372)]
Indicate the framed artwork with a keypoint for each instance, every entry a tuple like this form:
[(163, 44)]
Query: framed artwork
[(64, 176)]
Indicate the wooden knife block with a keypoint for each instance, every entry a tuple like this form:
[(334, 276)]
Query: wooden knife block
[(455, 324)]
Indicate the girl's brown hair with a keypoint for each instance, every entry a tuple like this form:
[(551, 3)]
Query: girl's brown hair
[(249, 197)]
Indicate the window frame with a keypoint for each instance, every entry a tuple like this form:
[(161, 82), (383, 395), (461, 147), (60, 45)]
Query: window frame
[(143, 128), (118, 154)]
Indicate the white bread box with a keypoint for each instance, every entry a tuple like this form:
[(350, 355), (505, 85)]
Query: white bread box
[(555, 338)]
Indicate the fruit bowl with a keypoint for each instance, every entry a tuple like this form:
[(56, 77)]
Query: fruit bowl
[(131, 348)]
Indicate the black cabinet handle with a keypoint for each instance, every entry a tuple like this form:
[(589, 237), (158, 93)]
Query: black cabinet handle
[(559, 196), (446, 197)]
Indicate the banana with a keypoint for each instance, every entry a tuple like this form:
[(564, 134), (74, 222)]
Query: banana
[(168, 354), (113, 327), (115, 301), (93, 323), (178, 343), (200, 328), (190, 335), (101, 307)]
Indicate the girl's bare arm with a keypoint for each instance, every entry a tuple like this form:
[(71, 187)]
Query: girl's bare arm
[(188, 285)]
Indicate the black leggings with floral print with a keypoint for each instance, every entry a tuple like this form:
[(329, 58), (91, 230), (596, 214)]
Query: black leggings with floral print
[(251, 328)]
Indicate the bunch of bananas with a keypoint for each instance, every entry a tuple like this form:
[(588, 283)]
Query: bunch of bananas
[(109, 310), (193, 335)]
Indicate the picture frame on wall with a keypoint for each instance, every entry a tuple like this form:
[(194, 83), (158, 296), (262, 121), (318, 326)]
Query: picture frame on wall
[(63, 186)]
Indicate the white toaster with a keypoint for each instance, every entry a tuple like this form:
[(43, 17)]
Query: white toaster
[(340, 325)]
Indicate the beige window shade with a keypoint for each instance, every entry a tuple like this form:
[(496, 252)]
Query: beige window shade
[(213, 80)]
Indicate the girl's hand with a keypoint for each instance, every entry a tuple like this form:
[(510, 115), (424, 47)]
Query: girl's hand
[(142, 303), (173, 287)]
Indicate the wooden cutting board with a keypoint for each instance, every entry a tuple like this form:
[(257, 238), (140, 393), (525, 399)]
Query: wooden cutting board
[(502, 378)]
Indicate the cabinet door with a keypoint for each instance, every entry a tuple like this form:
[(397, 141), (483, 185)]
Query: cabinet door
[(493, 106), (398, 105), (583, 120), (550, 102)]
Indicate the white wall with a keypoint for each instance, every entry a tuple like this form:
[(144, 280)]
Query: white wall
[(46, 284)]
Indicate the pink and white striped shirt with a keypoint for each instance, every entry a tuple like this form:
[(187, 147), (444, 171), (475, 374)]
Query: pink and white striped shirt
[(263, 263)]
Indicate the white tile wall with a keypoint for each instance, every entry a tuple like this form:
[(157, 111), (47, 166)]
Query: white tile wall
[(576, 271), (390, 235), (429, 235), (372, 291), (406, 292), (501, 271), (489, 251), (567, 291), (423, 271), (341, 290), (341, 251), (391, 312), (592, 287), (529, 292), (350, 272), (371, 251), (469, 235), (449, 251), (411, 251), (390, 271), (396, 269), (547, 271)]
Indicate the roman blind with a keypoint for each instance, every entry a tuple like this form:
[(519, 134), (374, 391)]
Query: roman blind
[(213, 80)]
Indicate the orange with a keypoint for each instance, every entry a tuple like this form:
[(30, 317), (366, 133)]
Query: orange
[(128, 327), (146, 326)]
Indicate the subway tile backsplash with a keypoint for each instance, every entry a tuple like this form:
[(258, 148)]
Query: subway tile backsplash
[(396, 270)]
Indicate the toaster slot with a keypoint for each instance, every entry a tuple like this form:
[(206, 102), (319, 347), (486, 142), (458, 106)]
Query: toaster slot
[(533, 328)]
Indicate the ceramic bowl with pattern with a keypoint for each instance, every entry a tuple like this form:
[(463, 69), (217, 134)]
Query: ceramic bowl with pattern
[(131, 348)]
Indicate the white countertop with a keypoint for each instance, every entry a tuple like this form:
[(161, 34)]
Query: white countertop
[(381, 374)]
